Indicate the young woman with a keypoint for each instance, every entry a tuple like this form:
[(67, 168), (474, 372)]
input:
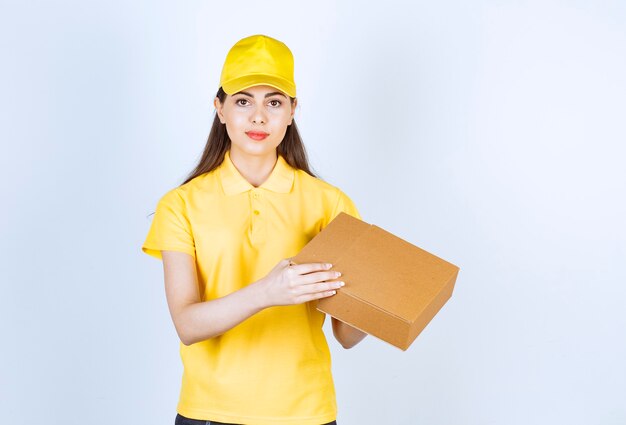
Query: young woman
[(252, 344)]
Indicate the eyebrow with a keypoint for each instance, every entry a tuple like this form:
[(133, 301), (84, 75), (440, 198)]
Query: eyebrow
[(267, 95)]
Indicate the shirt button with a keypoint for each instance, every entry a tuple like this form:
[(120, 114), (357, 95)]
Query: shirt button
[(256, 212)]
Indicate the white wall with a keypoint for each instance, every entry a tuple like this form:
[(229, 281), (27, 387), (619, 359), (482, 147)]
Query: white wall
[(490, 133)]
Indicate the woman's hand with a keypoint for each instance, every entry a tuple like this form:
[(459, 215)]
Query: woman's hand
[(197, 320), (289, 283)]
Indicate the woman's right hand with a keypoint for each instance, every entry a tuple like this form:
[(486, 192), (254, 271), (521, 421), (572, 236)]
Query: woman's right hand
[(288, 283)]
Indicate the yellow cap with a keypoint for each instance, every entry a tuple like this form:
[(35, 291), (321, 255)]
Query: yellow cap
[(258, 60)]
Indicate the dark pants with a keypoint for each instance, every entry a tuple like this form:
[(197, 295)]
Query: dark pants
[(181, 420)]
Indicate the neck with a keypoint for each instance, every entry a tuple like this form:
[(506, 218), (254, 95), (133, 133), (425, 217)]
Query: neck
[(254, 168)]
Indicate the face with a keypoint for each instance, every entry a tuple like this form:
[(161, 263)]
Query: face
[(256, 119)]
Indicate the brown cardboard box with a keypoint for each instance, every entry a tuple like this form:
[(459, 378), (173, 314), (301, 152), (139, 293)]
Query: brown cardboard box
[(393, 289)]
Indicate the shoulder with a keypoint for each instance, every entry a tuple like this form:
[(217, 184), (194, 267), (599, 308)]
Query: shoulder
[(198, 186), (202, 183), (312, 184), (332, 198), (171, 204)]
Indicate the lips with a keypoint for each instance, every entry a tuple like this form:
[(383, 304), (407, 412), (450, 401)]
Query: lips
[(257, 135)]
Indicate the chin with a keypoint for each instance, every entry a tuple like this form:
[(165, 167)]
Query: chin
[(257, 149)]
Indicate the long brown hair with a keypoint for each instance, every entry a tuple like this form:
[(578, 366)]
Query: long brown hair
[(218, 142)]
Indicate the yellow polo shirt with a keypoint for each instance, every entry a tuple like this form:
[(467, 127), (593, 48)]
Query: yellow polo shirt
[(275, 367)]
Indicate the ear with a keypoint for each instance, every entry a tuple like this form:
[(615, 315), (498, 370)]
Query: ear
[(293, 109), (218, 109)]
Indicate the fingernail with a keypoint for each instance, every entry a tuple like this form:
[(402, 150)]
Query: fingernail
[(328, 265), (342, 283), (337, 274)]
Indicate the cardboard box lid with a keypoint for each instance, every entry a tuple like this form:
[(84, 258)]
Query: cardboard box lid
[(379, 268)]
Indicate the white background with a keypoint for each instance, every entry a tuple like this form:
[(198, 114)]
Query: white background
[(489, 133)]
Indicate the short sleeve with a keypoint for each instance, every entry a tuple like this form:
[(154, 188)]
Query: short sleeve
[(344, 204), (170, 229)]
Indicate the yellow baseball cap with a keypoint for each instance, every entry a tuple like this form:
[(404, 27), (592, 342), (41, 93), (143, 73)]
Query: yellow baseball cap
[(258, 60)]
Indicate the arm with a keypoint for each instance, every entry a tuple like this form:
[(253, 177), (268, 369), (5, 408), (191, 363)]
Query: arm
[(347, 336), (197, 320)]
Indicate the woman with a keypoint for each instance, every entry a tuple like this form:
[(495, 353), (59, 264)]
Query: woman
[(252, 344)]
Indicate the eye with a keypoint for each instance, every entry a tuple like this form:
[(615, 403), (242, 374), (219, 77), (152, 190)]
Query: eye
[(275, 102), (237, 102)]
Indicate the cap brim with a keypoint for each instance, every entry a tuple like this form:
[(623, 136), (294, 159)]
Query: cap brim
[(233, 86)]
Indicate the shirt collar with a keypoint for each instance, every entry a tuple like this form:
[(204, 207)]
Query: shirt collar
[(280, 179)]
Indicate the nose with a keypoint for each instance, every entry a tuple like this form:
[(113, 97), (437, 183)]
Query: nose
[(258, 116)]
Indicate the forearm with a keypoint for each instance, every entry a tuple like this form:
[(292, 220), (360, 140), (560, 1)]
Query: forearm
[(208, 319), (347, 335)]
